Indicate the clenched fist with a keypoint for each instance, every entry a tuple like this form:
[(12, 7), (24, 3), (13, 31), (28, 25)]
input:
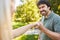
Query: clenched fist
[(39, 25)]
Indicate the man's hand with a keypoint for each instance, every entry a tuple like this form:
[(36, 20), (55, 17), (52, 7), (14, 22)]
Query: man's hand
[(39, 25), (49, 33)]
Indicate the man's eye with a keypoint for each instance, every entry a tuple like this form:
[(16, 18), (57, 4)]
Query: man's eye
[(39, 8), (43, 6)]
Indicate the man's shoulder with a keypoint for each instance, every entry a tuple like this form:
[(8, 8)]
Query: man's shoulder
[(55, 15), (56, 18)]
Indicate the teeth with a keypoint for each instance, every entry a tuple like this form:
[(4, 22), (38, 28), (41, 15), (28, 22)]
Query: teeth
[(42, 12)]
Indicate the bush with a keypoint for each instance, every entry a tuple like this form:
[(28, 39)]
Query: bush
[(27, 37), (18, 24)]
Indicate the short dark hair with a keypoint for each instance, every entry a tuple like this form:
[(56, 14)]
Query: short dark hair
[(44, 2)]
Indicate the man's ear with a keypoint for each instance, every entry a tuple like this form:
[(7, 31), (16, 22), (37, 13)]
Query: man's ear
[(49, 8)]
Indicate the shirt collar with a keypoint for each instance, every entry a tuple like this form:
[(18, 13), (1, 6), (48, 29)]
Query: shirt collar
[(50, 15)]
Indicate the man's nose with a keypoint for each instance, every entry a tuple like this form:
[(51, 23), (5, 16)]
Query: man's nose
[(41, 9)]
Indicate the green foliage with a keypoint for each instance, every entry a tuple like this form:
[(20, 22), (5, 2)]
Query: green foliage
[(55, 4), (18, 24), (25, 14), (27, 37)]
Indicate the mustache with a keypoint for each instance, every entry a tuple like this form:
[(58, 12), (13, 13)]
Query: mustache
[(43, 11)]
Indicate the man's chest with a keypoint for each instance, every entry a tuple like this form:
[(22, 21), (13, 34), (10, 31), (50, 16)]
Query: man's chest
[(48, 24)]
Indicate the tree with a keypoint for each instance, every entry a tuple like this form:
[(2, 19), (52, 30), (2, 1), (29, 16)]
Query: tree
[(26, 13), (55, 4)]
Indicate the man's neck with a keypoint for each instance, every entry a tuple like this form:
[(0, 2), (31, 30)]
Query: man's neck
[(47, 14)]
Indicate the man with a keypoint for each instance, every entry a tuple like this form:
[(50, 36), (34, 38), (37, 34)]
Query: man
[(50, 23)]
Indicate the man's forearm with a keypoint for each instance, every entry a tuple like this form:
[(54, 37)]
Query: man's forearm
[(21, 30), (52, 35)]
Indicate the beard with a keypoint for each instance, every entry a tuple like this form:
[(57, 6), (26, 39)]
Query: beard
[(44, 13)]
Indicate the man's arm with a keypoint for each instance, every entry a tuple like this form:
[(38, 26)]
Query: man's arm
[(52, 35), (21, 30)]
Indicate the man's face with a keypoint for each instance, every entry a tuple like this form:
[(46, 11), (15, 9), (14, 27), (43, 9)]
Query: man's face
[(44, 9)]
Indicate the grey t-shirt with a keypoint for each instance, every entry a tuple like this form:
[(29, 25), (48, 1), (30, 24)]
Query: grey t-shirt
[(52, 23)]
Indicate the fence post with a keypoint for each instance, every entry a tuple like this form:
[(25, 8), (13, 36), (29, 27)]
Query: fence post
[(5, 20)]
